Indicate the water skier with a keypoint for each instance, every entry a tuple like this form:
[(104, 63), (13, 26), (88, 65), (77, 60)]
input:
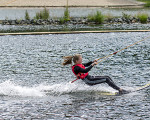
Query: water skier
[(82, 73)]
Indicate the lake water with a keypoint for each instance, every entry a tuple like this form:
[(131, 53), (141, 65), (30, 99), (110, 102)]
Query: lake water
[(34, 85), (19, 13)]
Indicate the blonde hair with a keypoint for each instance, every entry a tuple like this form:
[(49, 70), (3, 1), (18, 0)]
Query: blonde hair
[(69, 59)]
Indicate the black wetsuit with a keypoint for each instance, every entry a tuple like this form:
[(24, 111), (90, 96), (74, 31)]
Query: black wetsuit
[(93, 80)]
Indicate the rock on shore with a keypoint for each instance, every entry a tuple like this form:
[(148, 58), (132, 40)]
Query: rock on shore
[(73, 21)]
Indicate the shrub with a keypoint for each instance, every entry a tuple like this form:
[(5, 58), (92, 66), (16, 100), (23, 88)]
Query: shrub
[(37, 16), (27, 15), (62, 21), (41, 14), (44, 14), (147, 4), (97, 18), (142, 17), (66, 14), (126, 16)]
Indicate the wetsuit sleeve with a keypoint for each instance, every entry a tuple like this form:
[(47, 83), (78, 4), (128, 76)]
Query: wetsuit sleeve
[(87, 64), (78, 69)]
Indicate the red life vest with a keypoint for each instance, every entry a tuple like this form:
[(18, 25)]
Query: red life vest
[(79, 75)]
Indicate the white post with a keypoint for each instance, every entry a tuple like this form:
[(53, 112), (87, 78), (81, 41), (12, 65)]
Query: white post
[(67, 3)]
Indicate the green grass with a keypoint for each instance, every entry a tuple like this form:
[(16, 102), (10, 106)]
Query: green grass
[(62, 21), (97, 18), (27, 17), (146, 1), (44, 14), (147, 4), (143, 0), (37, 16), (143, 17), (126, 16), (66, 16)]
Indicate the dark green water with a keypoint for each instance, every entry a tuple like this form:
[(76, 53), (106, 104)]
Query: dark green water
[(34, 85)]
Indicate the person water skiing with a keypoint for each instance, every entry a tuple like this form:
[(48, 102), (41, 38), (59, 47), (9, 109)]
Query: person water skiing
[(82, 73)]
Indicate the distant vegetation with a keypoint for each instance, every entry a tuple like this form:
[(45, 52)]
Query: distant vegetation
[(66, 16), (97, 18), (142, 17), (126, 16), (27, 15), (96, 21), (146, 1), (44, 14)]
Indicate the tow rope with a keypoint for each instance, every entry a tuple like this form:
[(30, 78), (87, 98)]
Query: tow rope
[(105, 57)]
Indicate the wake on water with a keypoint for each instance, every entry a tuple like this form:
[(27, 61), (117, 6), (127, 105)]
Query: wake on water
[(8, 88)]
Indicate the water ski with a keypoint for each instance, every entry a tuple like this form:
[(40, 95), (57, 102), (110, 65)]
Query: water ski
[(137, 89)]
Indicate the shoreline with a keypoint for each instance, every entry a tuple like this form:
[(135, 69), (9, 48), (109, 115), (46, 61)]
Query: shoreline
[(72, 3), (71, 32), (82, 6)]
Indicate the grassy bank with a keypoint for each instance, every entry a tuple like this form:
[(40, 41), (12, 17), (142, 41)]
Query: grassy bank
[(96, 18)]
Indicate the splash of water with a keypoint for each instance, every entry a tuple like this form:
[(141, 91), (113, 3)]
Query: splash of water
[(9, 88)]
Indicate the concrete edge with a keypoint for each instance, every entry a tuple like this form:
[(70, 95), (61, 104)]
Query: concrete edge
[(71, 32), (103, 6)]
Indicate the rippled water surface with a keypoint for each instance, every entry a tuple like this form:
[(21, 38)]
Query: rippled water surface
[(34, 84)]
